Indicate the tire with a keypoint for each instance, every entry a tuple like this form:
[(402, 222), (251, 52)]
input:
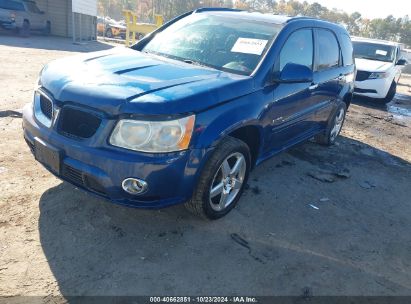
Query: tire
[(47, 30), (24, 31), (391, 93), (334, 126), (109, 33), (227, 191)]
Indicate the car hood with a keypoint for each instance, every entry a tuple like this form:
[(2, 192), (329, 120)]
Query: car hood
[(372, 65), (122, 81)]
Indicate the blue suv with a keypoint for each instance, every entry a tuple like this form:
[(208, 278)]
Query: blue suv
[(187, 112)]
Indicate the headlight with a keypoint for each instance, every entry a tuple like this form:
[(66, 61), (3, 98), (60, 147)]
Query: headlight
[(153, 136), (379, 75)]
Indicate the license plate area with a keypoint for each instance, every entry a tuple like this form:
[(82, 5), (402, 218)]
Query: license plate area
[(48, 155)]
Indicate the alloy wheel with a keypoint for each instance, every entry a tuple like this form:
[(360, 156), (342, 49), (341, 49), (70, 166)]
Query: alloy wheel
[(338, 123), (227, 181)]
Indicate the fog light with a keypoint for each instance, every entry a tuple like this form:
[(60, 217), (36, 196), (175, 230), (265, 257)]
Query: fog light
[(134, 186)]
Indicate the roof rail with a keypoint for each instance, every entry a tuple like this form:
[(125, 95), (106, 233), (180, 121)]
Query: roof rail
[(301, 18), (216, 9)]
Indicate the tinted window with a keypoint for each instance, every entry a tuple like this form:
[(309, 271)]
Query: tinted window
[(328, 50), (217, 41), (11, 5), (298, 49), (347, 49)]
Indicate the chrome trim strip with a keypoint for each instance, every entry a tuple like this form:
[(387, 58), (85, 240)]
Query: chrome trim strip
[(38, 113)]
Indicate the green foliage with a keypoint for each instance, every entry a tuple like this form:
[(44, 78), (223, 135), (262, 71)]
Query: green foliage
[(389, 28)]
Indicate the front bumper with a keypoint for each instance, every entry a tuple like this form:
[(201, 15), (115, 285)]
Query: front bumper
[(8, 25), (374, 88), (171, 177)]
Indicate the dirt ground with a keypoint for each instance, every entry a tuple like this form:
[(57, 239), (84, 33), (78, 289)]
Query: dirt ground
[(314, 221)]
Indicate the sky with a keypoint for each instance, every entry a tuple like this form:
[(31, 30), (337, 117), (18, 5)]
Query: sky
[(370, 8)]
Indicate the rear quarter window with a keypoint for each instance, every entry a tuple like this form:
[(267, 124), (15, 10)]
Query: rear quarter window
[(346, 50), (11, 5)]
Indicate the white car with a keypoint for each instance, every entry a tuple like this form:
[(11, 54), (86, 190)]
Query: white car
[(379, 64)]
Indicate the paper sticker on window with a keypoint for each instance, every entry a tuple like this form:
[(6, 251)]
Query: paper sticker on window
[(249, 46), (381, 52)]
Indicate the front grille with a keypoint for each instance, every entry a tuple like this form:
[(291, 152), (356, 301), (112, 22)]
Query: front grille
[(46, 106), (73, 175), (77, 178), (94, 185), (77, 123), (358, 90), (362, 75)]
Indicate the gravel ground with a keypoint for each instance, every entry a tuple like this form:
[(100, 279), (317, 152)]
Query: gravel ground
[(314, 221)]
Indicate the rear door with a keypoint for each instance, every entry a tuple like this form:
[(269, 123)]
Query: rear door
[(328, 74)]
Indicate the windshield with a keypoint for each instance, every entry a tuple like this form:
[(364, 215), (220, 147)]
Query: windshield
[(216, 41), (11, 5), (374, 51)]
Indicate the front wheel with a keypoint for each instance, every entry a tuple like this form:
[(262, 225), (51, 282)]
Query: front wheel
[(334, 126), (222, 181), (24, 31), (109, 33), (391, 93), (47, 29)]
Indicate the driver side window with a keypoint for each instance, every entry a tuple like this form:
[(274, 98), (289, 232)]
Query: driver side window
[(298, 49)]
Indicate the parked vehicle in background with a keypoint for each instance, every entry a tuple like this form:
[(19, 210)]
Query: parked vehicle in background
[(379, 65), (186, 113), (110, 28), (23, 16), (407, 56)]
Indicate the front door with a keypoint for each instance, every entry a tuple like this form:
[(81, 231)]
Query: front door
[(291, 110)]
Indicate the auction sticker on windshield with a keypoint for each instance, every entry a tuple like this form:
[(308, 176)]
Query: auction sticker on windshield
[(249, 46), (381, 52)]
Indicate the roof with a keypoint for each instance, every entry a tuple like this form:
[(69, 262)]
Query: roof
[(370, 40), (263, 17)]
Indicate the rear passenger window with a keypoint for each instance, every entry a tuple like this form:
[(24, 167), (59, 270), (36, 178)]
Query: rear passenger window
[(328, 50), (298, 49), (347, 50)]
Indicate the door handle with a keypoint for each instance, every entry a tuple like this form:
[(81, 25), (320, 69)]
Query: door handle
[(313, 86)]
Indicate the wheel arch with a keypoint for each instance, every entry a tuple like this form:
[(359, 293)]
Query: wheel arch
[(251, 135)]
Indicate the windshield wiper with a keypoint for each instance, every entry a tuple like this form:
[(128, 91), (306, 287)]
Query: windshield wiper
[(193, 62)]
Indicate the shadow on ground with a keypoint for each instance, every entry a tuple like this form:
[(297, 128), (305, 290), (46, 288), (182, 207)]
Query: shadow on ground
[(357, 241), (51, 43)]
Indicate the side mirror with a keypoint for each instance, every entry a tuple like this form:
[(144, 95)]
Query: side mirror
[(296, 73), (402, 62)]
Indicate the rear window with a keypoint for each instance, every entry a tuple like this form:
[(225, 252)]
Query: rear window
[(347, 50), (11, 5)]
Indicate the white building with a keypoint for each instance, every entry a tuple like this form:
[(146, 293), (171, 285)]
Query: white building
[(61, 16)]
